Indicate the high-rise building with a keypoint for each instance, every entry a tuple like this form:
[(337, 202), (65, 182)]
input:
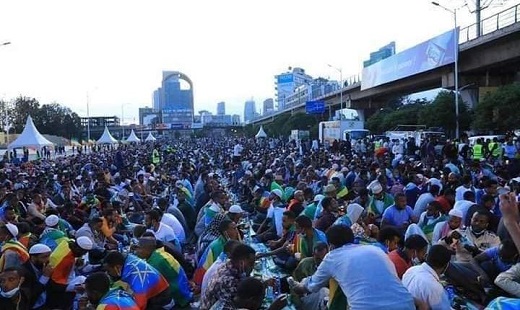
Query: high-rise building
[(384, 52), (221, 108), (156, 100), (176, 100), (286, 83), (249, 111), (268, 106)]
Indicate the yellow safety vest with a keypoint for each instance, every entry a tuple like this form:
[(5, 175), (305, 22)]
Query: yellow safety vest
[(477, 151), (495, 152), (155, 157)]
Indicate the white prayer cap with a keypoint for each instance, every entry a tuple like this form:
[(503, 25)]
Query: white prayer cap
[(52, 220), (85, 243), (236, 209), (39, 249), (13, 230), (456, 213)]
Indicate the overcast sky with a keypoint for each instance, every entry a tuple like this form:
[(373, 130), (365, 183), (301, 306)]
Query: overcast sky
[(116, 50)]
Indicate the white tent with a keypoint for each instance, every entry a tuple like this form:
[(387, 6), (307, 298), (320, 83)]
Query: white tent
[(150, 137), (106, 138), (132, 137), (261, 133), (30, 137)]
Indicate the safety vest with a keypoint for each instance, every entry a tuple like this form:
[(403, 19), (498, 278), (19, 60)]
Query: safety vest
[(497, 149), (477, 151), (155, 157)]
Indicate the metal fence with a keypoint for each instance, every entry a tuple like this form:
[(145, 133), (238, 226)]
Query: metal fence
[(491, 24)]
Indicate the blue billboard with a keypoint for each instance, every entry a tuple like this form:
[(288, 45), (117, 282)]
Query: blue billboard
[(431, 54), (285, 78), (315, 107)]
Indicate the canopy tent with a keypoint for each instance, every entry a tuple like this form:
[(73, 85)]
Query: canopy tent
[(261, 133), (30, 137), (150, 137), (106, 137), (132, 137)]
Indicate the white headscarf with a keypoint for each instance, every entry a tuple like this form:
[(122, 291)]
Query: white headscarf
[(354, 211)]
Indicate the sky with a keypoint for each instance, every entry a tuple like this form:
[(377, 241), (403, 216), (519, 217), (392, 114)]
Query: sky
[(114, 52)]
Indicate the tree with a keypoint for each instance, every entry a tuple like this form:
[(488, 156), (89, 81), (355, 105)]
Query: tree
[(441, 113), (22, 108), (6, 115), (55, 119), (499, 110), (388, 118)]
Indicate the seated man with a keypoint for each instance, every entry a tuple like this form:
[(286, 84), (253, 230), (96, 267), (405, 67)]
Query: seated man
[(496, 260), (306, 268), (101, 296), (279, 247), (149, 287), (250, 295), (472, 240), (509, 280), (399, 215), (229, 247), (169, 268)]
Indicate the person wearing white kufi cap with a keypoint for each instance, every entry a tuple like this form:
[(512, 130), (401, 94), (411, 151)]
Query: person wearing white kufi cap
[(235, 213), (444, 229), (12, 253), (37, 274), (378, 202), (61, 290), (52, 236)]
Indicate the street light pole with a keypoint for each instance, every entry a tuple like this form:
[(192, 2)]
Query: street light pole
[(88, 119), (340, 87), (456, 73), (6, 112), (122, 120)]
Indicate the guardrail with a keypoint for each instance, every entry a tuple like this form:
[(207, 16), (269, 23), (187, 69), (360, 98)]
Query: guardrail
[(491, 24)]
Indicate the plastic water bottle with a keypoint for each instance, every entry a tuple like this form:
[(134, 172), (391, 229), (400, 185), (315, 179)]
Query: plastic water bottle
[(277, 286), (450, 290), (269, 295)]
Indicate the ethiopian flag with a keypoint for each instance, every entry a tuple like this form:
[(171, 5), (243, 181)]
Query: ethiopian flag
[(62, 260), (117, 299), (53, 237), (141, 279), (337, 299), (15, 246), (170, 268), (207, 259), (301, 245)]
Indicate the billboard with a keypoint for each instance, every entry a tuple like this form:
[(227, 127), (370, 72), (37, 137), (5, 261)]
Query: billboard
[(431, 54), (285, 78), (315, 107)]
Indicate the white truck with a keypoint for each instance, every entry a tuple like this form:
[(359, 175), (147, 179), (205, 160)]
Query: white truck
[(353, 130)]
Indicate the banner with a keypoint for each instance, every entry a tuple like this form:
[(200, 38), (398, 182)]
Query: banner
[(434, 53)]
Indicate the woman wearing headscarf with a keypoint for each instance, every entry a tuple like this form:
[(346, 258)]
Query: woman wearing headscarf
[(210, 233)]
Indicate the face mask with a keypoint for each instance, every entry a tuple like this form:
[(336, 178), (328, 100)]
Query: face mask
[(10, 293), (416, 261)]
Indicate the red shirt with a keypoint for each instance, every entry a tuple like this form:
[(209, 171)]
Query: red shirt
[(401, 265)]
